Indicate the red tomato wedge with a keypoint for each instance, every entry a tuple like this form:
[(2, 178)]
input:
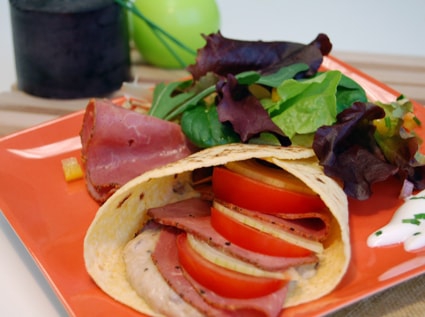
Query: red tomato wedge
[(253, 239), (220, 280), (251, 194)]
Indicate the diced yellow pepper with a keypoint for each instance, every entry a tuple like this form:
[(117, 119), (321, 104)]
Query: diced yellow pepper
[(259, 91), (381, 126), (72, 169), (410, 122), (275, 95)]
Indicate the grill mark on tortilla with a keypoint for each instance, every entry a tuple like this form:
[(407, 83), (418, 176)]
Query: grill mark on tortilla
[(123, 201)]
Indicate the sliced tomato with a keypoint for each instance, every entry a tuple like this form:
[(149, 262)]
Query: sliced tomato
[(251, 194), (253, 239), (220, 280)]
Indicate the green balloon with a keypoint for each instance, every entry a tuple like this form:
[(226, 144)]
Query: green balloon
[(185, 20)]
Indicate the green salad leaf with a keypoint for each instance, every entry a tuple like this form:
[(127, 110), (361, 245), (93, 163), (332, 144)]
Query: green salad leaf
[(201, 123), (306, 105), (348, 92), (230, 100), (165, 100), (284, 73)]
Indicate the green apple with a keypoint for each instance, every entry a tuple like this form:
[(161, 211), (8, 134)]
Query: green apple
[(185, 20)]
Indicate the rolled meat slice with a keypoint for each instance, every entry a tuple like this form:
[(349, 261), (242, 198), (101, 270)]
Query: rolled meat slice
[(119, 144)]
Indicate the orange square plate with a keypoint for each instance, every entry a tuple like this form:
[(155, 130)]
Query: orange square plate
[(51, 217)]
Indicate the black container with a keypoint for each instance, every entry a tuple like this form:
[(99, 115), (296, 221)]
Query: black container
[(70, 48)]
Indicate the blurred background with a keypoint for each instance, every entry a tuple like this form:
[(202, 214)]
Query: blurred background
[(369, 34)]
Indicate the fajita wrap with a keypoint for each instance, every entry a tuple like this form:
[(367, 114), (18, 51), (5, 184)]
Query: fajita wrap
[(121, 217)]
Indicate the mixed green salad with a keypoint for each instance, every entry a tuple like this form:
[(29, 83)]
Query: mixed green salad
[(277, 93)]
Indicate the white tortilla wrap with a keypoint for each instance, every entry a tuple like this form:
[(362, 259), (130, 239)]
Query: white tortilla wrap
[(121, 217)]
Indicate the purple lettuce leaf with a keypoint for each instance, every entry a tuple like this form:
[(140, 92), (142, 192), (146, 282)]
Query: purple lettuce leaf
[(224, 56), (347, 150), (248, 117), (402, 152)]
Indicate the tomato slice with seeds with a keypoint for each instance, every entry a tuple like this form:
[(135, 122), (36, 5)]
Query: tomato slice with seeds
[(220, 280), (253, 239), (248, 193)]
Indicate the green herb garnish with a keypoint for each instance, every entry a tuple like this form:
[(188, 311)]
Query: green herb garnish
[(416, 220), (412, 221), (416, 197)]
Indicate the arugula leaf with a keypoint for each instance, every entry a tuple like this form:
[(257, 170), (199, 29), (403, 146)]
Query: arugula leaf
[(203, 128), (168, 103), (191, 102), (164, 101), (248, 78), (274, 79), (288, 72)]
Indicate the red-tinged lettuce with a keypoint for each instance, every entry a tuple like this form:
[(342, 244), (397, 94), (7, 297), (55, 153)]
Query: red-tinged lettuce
[(404, 154), (224, 56), (226, 68), (348, 150), (242, 117), (398, 141), (245, 112)]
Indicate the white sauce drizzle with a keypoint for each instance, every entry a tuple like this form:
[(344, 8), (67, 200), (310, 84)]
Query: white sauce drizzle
[(407, 226)]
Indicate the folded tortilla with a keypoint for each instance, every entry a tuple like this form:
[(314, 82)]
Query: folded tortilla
[(122, 216)]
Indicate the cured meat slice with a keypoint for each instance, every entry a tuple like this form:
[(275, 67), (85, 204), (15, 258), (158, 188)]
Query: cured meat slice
[(193, 216), (147, 281), (119, 144), (166, 259), (311, 225), (269, 305)]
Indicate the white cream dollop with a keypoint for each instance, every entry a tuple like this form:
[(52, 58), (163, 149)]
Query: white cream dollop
[(407, 226)]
